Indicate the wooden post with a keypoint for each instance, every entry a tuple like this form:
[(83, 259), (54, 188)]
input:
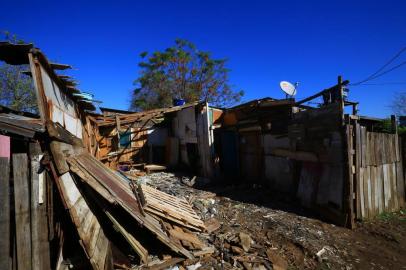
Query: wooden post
[(22, 210), (394, 125), (39, 227), (4, 214)]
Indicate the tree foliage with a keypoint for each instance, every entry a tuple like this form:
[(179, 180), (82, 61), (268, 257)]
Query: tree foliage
[(399, 104), (16, 89), (182, 72)]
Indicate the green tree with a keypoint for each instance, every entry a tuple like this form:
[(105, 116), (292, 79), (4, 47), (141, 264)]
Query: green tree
[(16, 88), (399, 103), (183, 72)]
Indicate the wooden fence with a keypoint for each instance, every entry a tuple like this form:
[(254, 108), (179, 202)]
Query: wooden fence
[(379, 182)]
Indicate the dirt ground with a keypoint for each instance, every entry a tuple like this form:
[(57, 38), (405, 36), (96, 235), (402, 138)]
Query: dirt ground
[(261, 230)]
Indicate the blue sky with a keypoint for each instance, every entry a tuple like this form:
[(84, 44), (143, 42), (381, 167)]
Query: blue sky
[(265, 41)]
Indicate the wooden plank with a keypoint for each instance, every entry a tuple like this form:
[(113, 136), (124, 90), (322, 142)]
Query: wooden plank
[(118, 187), (363, 147), (381, 202), (377, 189), (5, 258), (137, 246), (50, 205), (366, 198), (384, 150), (184, 236), (57, 132), (39, 229), (348, 197), (358, 158), (59, 151), (361, 193), (372, 181), (390, 187), (94, 242), (394, 187), (397, 148), (386, 188), (400, 184), (368, 149), (391, 153), (369, 186), (22, 210), (165, 205), (377, 148)]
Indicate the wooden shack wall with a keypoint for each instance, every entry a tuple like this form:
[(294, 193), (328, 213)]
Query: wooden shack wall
[(380, 184), (317, 138), (64, 118), (111, 154)]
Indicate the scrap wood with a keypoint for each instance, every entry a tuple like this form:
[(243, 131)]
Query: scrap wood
[(178, 233), (251, 258), (278, 263), (170, 207), (204, 251), (99, 177), (138, 248), (183, 236), (152, 167), (165, 264), (212, 225), (93, 240), (245, 241)]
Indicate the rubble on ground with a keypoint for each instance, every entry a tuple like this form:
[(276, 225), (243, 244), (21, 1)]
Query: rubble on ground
[(249, 236)]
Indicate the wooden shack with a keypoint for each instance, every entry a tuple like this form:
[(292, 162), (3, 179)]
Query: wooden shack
[(178, 136), (336, 163)]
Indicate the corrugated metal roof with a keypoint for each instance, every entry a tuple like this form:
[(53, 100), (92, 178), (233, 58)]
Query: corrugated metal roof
[(20, 125)]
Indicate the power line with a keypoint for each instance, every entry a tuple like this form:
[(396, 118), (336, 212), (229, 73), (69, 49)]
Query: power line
[(377, 73), (384, 83), (389, 70)]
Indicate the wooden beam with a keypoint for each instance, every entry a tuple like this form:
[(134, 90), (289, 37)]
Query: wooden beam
[(5, 258), (39, 227), (394, 125), (321, 93), (135, 245), (22, 210)]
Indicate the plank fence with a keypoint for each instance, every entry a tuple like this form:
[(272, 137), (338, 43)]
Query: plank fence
[(379, 182)]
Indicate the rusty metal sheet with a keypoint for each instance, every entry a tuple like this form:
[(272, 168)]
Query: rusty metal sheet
[(20, 125), (91, 170)]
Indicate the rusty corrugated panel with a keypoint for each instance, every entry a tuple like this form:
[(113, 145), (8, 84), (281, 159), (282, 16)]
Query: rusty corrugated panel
[(20, 125), (98, 176), (110, 180)]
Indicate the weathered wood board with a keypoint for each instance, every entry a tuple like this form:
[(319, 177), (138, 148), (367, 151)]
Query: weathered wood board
[(94, 241), (22, 210), (380, 181), (39, 227), (167, 206), (5, 258)]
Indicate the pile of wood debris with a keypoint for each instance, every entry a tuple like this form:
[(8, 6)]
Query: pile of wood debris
[(113, 215), (251, 236)]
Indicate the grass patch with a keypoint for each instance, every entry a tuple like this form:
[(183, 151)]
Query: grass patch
[(389, 216)]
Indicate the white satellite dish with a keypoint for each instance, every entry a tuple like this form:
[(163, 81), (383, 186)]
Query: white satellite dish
[(288, 88)]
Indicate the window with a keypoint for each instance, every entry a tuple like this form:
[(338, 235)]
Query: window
[(125, 139)]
